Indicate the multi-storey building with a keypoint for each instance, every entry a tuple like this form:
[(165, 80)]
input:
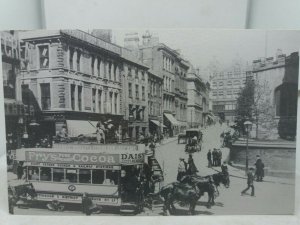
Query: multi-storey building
[(225, 87), (198, 99), (155, 84), (172, 68), (14, 109), (276, 91), (75, 79), (135, 95)]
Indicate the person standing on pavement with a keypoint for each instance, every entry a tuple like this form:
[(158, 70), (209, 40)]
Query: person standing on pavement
[(181, 169), (209, 158), (224, 168), (20, 171), (250, 182), (192, 169), (214, 155), (259, 169), (219, 157)]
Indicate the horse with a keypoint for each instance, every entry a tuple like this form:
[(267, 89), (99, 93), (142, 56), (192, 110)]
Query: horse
[(22, 194), (179, 192), (208, 184)]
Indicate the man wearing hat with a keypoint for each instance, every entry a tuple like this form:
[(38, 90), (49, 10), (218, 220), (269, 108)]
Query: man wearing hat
[(181, 169), (250, 182), (259, 168)]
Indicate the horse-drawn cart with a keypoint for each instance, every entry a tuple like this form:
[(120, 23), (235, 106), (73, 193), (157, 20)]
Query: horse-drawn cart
[(194, 140)]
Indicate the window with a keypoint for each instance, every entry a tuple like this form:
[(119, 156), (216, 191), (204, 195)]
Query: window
[(78, 60), (9, 80), (115, 72), (45, 174), (116, 103), (33, 173), (109, 70), (137, 91), (143, 92), (97, 176), (111, 102), (58, 175), (214, 84), (79, 98), (136, 73), (73, 96), (71, 175), (44, 56), (221, 83), (84, 176), (215, 93), (112, 177), (221, 93), (94, 99), (229, 83), (130, 90), (98, 66), (143, 75), (129, 72), (71, 55), (92, 65), (45, 96), (99, 101)]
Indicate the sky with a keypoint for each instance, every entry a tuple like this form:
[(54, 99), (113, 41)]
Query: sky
[(201, 46)]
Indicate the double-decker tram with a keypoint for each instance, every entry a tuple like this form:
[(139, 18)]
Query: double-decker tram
[(110, 174)]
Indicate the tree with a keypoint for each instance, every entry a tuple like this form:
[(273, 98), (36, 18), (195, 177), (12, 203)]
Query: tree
[(245, 103), (254, 104)]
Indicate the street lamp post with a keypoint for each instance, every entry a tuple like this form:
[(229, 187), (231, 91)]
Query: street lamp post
[(248, 126)]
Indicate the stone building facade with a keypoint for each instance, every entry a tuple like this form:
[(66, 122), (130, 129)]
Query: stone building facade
[(15, 111), (276, 83), (198, 99), (75, 78), (172, 68)]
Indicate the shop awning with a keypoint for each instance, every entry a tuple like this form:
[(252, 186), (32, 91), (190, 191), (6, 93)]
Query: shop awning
[(78, 127), (157, 123), (171, 118)]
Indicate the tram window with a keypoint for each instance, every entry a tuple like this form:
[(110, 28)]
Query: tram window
[(84, 176), (33, 173), (58, 175), (98, 176), (71, 175), (112, 177), (45, 174)]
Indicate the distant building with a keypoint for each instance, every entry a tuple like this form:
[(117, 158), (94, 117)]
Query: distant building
[(172, 68), (198, 99), (277, 83), (225, 87)]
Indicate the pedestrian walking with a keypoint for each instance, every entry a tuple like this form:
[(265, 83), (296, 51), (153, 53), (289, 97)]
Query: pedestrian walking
[(152, 147), (192, 169), (250, 182), (259, 169), (209, 158), (224, 168), (86, 204), (181, 169)]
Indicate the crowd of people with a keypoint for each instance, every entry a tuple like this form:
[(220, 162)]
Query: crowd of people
[(214, 157)]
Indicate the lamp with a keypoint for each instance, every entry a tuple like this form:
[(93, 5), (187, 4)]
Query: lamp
[(248, 127)]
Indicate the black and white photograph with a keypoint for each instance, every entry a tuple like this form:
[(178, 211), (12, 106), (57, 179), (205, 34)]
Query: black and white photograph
[(150, 122)]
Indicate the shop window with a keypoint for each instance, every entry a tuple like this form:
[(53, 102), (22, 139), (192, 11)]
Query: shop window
[(58, 175), (84, 176), (45, 174), (44, 56), (33, 173), (45, 96), (71, 175), (97, 176)]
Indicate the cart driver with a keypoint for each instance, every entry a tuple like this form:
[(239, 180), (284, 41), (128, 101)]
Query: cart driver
[(194, 140)]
